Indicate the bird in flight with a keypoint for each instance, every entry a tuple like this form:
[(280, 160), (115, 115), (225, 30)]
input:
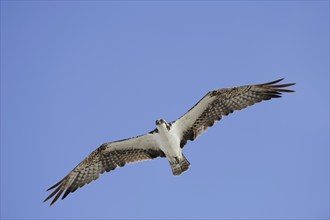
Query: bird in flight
[(167, 139)]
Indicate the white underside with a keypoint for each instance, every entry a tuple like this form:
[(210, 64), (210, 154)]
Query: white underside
[(169, 142)]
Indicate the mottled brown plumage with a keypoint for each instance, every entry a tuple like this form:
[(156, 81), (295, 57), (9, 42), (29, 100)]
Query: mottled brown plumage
[(105, 158), (223, 102), (199, 118)]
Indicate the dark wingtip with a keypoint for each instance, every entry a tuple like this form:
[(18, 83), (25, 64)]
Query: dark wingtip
[(67, 192), (272, 82), (278, 87), (57, 192), (50, 203), (58, 183)]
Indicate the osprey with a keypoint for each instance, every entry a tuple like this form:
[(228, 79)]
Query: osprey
[(167, 139)]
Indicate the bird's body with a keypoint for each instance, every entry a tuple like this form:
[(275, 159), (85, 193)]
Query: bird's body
[(168, 139)]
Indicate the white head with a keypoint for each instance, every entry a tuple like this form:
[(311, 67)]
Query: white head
[(162, 124)]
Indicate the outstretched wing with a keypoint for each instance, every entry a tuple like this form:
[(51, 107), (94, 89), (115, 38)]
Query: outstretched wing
[(218, 103), (107, 157)]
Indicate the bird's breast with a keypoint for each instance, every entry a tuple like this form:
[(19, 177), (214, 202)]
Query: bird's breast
[(170, 144)]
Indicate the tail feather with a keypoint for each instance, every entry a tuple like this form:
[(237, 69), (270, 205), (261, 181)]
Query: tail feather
[(180, 166)]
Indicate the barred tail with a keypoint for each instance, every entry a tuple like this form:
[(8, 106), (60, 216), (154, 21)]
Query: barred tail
[(180, 166)]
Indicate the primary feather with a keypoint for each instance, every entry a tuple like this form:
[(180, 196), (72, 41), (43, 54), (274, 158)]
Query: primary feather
[(168, 139)]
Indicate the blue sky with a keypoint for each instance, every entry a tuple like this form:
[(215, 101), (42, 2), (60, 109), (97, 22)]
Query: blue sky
[(77, 74)]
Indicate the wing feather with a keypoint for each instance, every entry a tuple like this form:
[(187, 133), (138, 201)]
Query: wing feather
[(222, 102), (107, 157)]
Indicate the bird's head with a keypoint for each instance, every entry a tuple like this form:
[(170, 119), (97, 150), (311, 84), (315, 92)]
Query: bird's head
[(161, 123)]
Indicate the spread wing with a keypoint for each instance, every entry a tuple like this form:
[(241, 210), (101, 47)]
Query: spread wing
[(107, 157), (218, 103)]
